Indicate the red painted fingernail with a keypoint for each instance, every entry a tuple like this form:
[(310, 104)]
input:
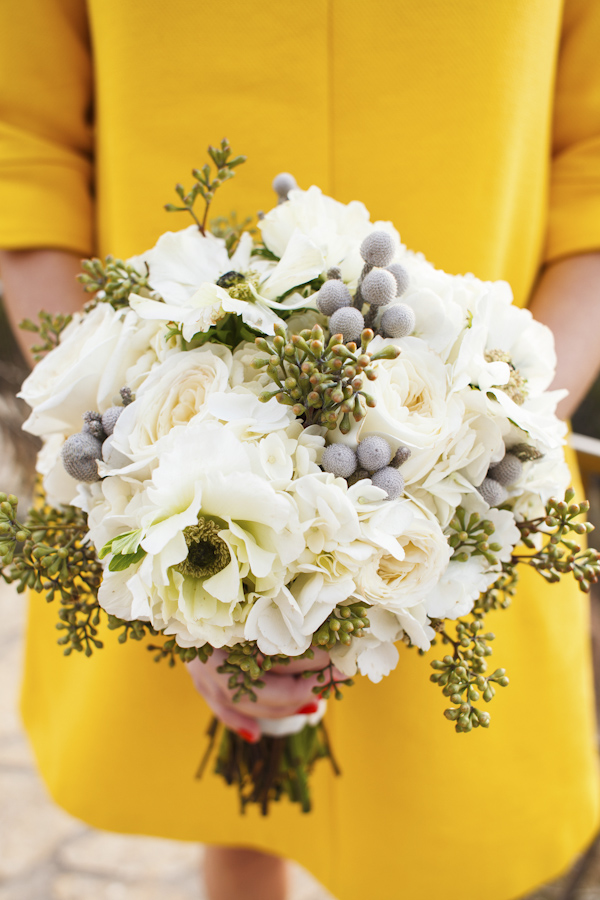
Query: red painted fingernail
[(247, 736), (309, 708)]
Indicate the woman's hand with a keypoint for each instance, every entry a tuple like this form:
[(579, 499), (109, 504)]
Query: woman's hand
[(285, 692)]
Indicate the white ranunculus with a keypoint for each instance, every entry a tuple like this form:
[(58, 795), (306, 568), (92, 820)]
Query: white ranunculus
[(336, 229), (175, 393), (91, 363), (411, 554), (413, 405)]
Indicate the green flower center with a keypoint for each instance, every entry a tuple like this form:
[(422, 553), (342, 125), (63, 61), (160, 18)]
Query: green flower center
[(207, 552)]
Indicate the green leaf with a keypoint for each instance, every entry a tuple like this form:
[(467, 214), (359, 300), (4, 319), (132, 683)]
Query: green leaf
[(122, 561), (124, 544)]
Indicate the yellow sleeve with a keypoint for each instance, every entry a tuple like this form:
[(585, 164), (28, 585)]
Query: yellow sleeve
[(45, 126), (574, 213)]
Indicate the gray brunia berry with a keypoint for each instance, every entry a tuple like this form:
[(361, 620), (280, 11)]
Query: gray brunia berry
[(333, 295), (401, 276), (109, 418), (339, 459), (492, 492), (398, 321), (378, 287), (283, 184), (348, 322), (507, 471), (389, 480), (377, 249), (79, 455), (374, 453)]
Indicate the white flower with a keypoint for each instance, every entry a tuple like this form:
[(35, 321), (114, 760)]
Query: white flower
[(286, 621), (92, 362), (206, 307), (413, 405), (438, 321), (327, 516), (205, 472), (411, 554), (181, 261), (247, 415), (173, 395)]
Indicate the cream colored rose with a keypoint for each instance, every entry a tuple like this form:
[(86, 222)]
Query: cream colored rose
[(413, 405), (412, 552), (175, 393), (91, 363)]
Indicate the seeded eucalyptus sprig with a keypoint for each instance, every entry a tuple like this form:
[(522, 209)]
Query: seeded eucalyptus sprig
[(230, 230), (470, 537), (320, 381), (342, 625), (561, 555), (48, 552), (49, 327), (328, 682), (462, 675), (246, 664), (113, 280), (206, 184)]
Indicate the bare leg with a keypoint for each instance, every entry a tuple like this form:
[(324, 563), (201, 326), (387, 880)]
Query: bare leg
[(232, 872)]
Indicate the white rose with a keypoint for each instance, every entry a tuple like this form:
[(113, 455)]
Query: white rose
[(175, 393), (413, 406), (411, 554), (87, 369)]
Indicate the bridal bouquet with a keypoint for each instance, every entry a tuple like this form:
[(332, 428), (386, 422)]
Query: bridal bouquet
[(307, 438)]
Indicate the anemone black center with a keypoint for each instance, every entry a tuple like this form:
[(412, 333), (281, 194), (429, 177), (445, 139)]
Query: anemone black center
[(207, 552), (229, 279)]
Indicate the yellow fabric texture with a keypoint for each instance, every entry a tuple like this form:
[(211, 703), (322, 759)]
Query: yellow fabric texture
[(475, 127)]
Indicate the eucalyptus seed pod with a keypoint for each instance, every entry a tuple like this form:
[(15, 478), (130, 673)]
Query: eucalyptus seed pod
[(398, 321), (492, 492), (374, 453), (333, 295), (79, 455), (339, 459), (348, 322), (377, 249), (389, 480), (507, 471), (401, 276), (379, 288)]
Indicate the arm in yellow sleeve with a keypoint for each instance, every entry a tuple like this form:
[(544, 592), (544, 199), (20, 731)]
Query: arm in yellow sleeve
[(45, 126), (574, 213)]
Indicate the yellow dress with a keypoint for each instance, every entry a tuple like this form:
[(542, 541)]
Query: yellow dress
[(475, 127)]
